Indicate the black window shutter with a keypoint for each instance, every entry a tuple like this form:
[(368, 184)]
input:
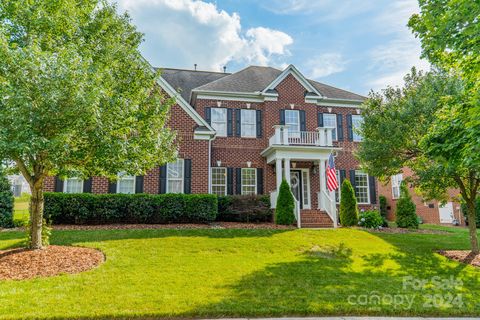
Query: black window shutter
[(187, 177), (349, 127), (208, 115), (303, 122), (259, 180), (112, 187), (343, 175), (259, 124), (58, 184), (238, 122), (373, 191), (238, 180), (229, 180), (339, 127), (229, 122), (352, 180), (139, 184), (162, 186), (320, 119), (282, 117), (87, 185)]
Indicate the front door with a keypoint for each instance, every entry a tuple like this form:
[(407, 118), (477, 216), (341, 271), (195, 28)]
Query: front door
[(446, 213), (296, 185)]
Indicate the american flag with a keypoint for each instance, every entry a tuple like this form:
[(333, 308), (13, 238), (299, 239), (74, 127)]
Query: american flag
[(332, 182)]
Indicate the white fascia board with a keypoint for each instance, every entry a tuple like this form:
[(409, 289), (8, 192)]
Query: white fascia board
[(298, 153), (298, 75), (183, 104), (346, 103)]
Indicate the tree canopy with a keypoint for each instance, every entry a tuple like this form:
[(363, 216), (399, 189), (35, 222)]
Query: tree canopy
[(76, 96)]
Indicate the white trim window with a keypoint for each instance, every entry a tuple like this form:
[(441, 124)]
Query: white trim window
[(330, 121), (219, 181), (356, 124), (249, 123), (396, 181), (292, 120), (362, 188), (125, 183), (219, 121), (249, 181), (175, 181), (73, 185)]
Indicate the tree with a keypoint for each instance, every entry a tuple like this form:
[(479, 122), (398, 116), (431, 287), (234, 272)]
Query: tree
[(406, 213), (348, 205), (423, 126), (383, 210), (284, 210), (6, 201), (76, 96)]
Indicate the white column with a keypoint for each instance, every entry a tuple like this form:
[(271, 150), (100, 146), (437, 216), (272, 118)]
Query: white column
[(287, 170), (322, 183), (278, 169)]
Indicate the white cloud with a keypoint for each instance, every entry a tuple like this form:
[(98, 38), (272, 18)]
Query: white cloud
[(184, 32), (325, 64), (391, 61), (323, 10)]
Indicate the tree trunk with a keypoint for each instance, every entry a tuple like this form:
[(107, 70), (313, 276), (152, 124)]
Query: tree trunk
[(472, 225), (36, 216)]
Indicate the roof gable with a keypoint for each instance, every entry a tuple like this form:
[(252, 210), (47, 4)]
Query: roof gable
[(297, 75)]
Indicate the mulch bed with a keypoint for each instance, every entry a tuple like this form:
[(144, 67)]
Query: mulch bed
[(464, 256), (401, 230), (20, 264), (180, 226)]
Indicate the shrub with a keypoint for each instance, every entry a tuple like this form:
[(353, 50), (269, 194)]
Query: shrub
[(87, 208), (252, 208), (370, 219), (406, 216), (284, 210), (6, 202), (383, 210), (348, 205)]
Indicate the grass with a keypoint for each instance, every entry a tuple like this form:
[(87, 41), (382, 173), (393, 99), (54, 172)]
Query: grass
[(216, 273), (20, 213)]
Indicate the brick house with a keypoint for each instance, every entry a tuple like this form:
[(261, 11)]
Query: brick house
[(430, 211), (241, 133)]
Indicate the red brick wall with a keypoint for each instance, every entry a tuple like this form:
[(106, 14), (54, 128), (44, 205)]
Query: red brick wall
[(428, 214)]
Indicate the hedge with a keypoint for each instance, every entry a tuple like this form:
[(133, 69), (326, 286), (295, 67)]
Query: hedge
[(87, 208), (6, 202), (253, 208)]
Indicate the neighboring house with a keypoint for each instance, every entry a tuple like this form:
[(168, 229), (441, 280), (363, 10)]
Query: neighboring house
[(430, 211), (19, 185), (241, 133)]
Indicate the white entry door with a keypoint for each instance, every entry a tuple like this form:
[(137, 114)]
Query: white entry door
[(446, 213)]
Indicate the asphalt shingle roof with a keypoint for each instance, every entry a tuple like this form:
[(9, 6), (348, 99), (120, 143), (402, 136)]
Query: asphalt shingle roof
[(251, 79)]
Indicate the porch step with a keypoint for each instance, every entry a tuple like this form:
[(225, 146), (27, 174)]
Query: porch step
[(315, 219)]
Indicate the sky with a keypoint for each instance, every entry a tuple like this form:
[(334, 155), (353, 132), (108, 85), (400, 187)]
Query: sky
[(356, 45)]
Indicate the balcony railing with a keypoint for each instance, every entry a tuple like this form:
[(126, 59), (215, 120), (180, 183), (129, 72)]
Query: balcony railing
[(322, 137)]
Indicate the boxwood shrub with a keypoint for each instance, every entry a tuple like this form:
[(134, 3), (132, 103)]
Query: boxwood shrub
[(252, 208), (87, 208)]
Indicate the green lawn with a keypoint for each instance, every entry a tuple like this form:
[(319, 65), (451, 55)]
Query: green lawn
[(215, 273), (20, 213)]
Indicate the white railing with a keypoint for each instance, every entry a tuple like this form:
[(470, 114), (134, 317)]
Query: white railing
[(325, 202), (322, 137), (297, 214)]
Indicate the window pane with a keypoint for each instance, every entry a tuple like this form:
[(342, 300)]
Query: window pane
[(356, 123), (249, 181), (292, 119), (396, 181), (330, 121), (126, 184), (73, 185), (219, 181), (219, 121), (361, 186), (175, 177), (306, 191), (248, 120)]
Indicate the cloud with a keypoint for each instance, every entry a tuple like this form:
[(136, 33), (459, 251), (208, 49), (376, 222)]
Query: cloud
[(184, 32), (323, 10), (392, 60), (325, 64)]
